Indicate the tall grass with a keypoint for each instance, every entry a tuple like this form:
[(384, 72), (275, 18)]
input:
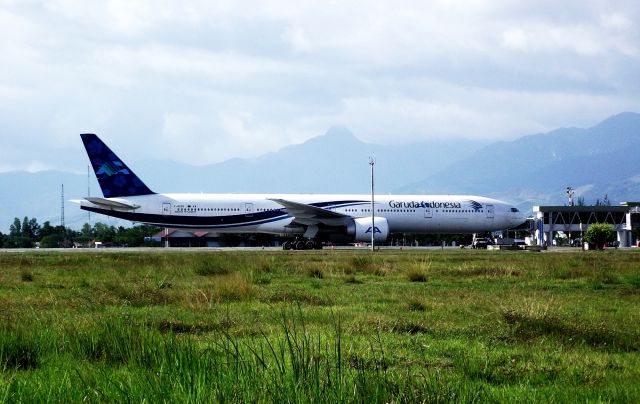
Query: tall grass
[(121, 361), (220, 327)]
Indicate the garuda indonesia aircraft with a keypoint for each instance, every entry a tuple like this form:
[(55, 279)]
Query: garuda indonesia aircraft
[(309, 218)]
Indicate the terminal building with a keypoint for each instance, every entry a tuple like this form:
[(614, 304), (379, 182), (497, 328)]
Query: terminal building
[(572, 221)]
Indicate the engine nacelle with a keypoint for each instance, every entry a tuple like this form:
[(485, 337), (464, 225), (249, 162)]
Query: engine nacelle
[(360, 229)]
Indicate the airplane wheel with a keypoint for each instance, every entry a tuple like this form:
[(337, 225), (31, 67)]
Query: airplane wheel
[(299, 245), (310, 245), (286, 245)]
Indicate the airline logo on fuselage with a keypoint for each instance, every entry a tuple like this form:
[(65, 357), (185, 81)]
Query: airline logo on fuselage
[(476, 206)]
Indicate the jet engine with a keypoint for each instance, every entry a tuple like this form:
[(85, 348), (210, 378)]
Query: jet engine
[(360, 229)]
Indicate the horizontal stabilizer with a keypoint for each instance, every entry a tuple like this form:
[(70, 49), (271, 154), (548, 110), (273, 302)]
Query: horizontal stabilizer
[(110, 203)]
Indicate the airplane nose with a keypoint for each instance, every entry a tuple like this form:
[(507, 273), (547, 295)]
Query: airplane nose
[(519, 218)]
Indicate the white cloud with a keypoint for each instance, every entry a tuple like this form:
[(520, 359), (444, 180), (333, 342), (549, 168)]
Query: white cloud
[(515, 38), (205, 81), (616, 21)]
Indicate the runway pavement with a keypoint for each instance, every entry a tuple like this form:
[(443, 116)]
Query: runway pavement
[(151, 250)]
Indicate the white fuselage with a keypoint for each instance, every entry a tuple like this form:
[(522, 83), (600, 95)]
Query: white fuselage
[(248, 213)]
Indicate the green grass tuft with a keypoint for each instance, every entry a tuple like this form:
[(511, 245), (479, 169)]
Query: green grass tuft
[(316, 273), (416, 305), (417, 275), (351, 279), (206, 268), (18, 351)]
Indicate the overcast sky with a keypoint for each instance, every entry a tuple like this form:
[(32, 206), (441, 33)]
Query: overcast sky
[(204, 81)]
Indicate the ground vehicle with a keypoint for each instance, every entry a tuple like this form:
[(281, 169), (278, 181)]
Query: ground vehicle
[(481, 242)]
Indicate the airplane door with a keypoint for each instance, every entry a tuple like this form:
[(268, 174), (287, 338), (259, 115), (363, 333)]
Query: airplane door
[(490, 211), (248, 209), (166, 208), (428, 213)]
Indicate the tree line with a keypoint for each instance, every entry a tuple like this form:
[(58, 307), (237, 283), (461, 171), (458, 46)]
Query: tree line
[(28, 233)]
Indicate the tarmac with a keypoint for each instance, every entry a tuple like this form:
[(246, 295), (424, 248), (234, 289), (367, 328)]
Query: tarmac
[(113, 250)]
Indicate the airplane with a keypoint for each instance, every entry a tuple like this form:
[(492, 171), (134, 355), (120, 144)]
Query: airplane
[(307, 218)]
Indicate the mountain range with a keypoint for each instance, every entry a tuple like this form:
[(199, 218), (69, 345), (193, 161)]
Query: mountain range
[(536, 169), (532, 170), (336, 162)]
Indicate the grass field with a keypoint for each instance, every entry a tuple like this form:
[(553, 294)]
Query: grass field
[(331, 326)]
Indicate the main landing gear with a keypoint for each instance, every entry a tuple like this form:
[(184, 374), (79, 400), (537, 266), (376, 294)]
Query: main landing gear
[(300, 244)]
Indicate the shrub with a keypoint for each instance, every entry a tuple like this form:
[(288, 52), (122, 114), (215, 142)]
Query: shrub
[(600, 234)]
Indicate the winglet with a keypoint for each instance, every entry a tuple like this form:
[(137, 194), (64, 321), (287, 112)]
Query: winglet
[(114, 177)]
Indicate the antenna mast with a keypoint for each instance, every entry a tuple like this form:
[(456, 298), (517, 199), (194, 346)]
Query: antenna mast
[(372, 162), (88, 193), (62, 205)]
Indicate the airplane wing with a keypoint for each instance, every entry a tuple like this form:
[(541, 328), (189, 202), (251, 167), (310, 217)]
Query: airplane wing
[(110, 203), (311, 215)]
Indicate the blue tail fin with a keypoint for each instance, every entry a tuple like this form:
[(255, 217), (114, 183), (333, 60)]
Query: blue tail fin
[(114, 177)]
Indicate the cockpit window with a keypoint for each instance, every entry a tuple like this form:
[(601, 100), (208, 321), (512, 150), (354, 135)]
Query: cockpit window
[(514, 210)]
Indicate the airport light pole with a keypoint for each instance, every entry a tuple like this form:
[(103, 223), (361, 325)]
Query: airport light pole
[(570, 192), (372, 162)]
